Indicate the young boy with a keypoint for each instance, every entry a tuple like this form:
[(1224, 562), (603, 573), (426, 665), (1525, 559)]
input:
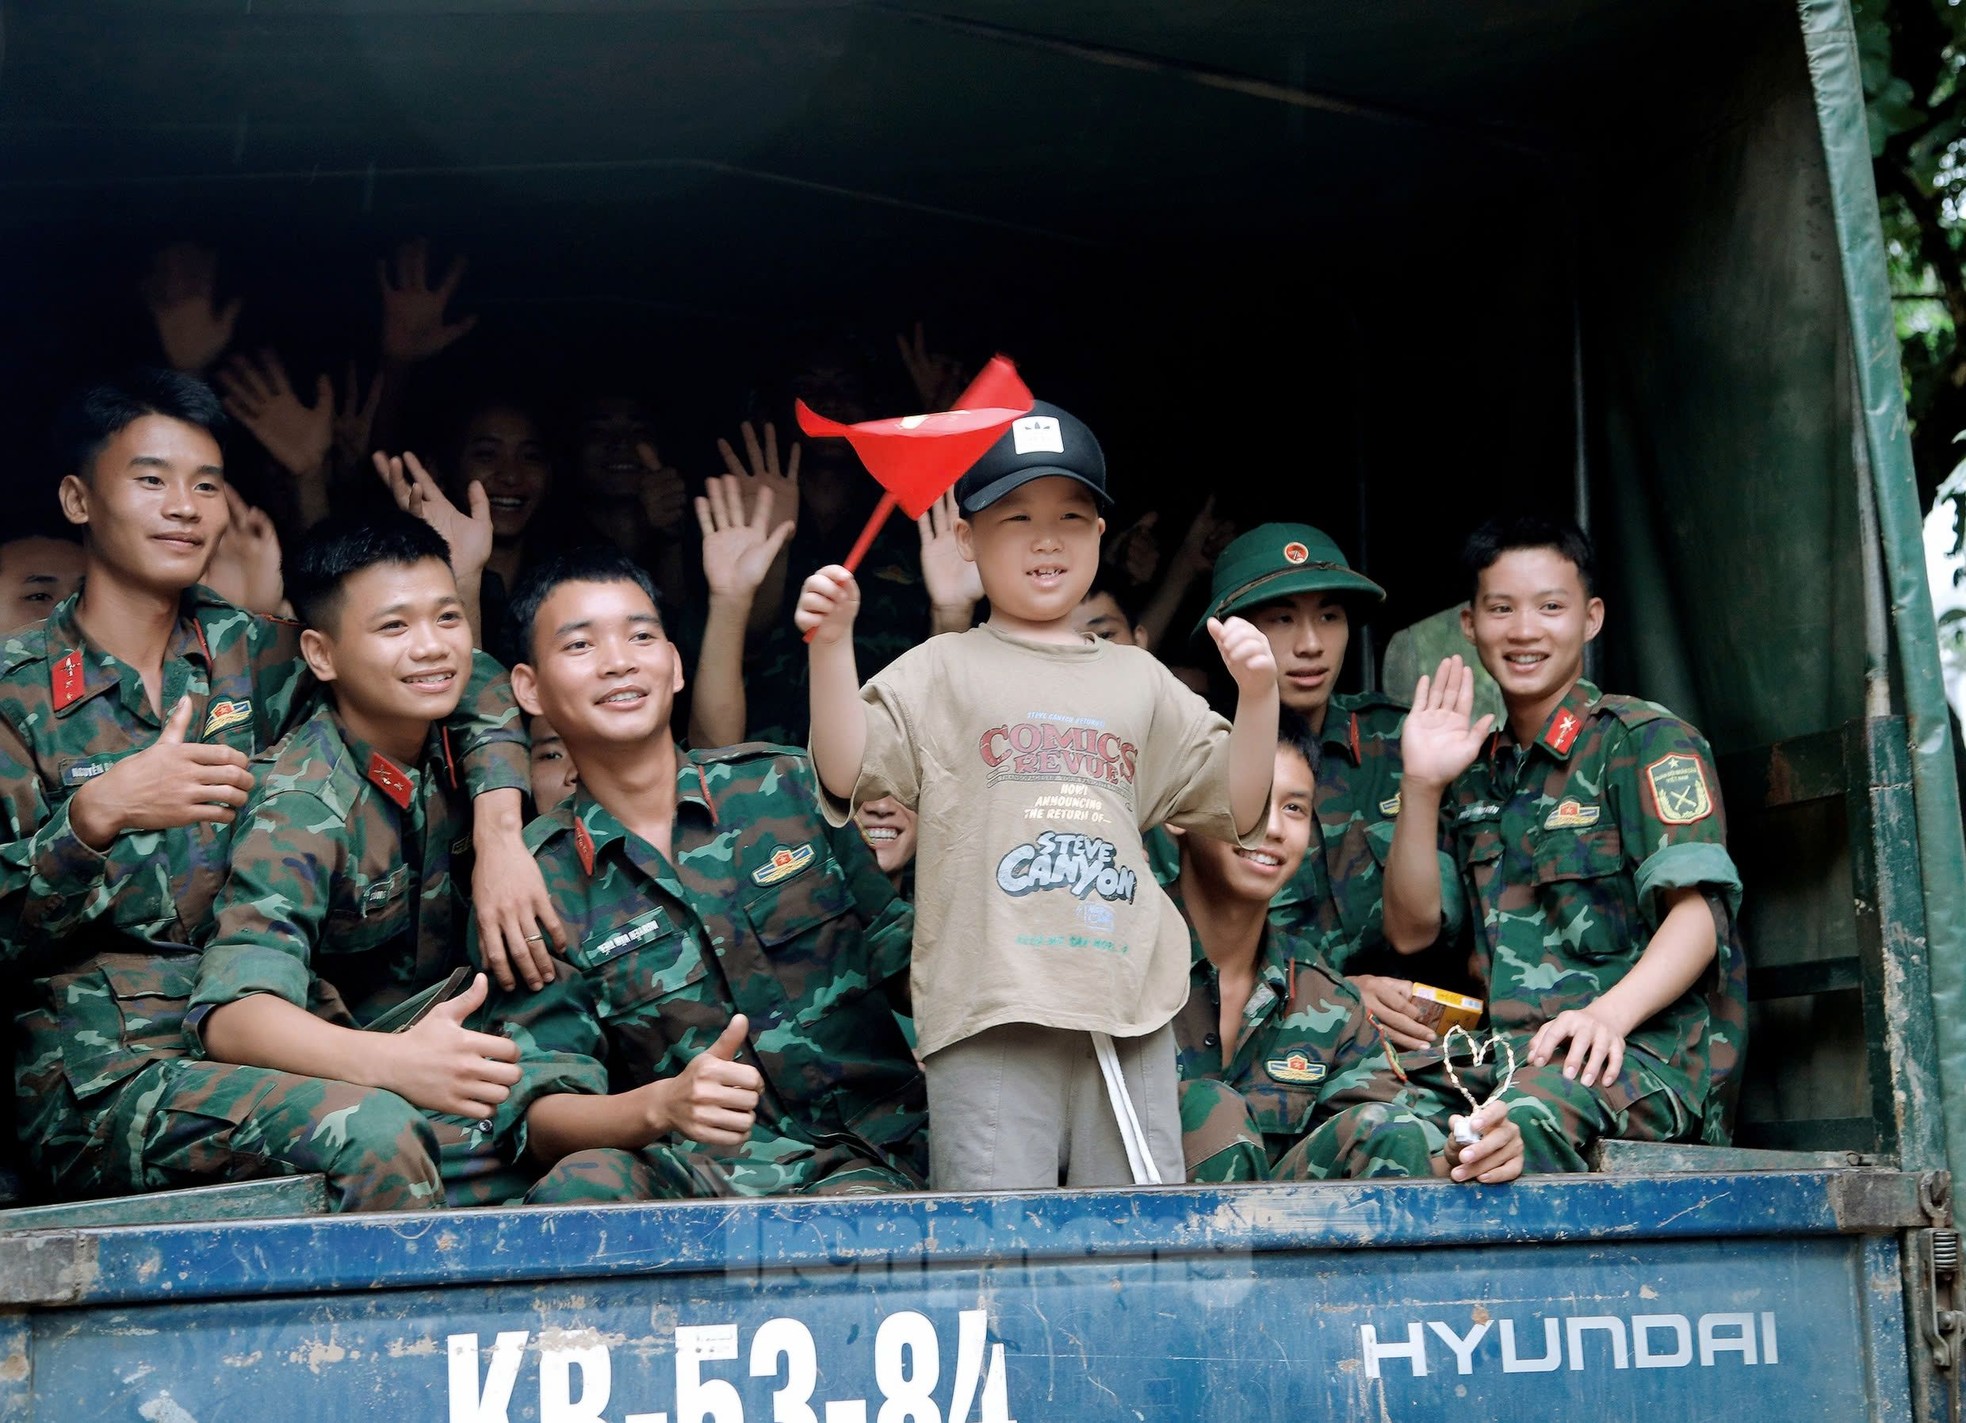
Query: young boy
[(1047, 962), (1279, 1062), (734, 957), (1589, 837), (343, 900), (127, 720)]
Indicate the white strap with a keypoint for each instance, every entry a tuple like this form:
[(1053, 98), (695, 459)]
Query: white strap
[(1138, 1157)]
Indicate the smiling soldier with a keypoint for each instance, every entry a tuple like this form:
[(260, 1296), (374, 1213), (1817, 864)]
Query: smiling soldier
[(1590, 839)]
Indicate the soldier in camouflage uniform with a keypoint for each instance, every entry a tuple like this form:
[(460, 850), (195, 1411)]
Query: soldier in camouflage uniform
[(1292, 582), (343, 899), (1279, 1062), (126, 723), (735, 955), (1589, 834)]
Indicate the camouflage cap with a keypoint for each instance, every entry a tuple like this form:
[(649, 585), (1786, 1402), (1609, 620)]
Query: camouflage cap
[(1276, 560)]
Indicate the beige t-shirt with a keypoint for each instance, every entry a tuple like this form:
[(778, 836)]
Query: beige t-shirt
[(1034, 768)]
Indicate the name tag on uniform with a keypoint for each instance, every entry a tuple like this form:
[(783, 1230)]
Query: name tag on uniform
[(635, 932), (73, 773), (380, 893), (1478, 811)]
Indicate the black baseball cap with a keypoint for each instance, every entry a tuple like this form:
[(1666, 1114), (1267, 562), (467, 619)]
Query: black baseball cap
[(1046, 441)]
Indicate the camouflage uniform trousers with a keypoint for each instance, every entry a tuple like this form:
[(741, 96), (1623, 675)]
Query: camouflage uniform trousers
[(185, 1122), (1380, 1117), (1221, 1143), (772, 1166)]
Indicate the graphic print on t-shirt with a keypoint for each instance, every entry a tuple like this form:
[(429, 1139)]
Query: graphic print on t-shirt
[(1045, 746), (1072, 755)]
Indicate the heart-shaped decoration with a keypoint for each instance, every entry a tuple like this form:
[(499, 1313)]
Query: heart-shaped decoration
[(1478, 1053)]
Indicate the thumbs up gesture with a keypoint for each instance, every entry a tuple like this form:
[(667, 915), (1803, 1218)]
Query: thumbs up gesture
[(442, 1066), (714, 1100), (170, 782)]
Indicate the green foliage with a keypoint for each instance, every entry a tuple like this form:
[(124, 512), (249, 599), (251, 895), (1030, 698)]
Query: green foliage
[(1912, 53)]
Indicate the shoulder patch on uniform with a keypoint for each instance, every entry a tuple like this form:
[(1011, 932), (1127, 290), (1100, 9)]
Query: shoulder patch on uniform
[(784, 863), (1572, 814), (1679, 789), (226, 713), (1389, 807), (1294, 1068)]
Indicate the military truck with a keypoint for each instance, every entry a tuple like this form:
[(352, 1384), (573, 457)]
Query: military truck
[(1378, 264)]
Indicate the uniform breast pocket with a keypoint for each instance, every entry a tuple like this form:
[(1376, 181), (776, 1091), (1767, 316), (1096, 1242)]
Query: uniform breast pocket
[(805, 927), (371, 911), (636, 962), (1284, 1091), (1479, 844), (1379, 841), (1581, 880), (1578, 855), (785, 912)]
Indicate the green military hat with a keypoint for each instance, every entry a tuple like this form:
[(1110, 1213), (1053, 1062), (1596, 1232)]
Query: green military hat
[(1276, 560)]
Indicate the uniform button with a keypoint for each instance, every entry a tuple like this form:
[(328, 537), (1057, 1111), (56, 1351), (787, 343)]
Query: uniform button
[(1210, 1041)]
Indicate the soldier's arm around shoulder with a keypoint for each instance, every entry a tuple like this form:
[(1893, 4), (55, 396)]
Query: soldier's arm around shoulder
[(488, 731)]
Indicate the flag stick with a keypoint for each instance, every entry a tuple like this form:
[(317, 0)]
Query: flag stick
[(866, 539)]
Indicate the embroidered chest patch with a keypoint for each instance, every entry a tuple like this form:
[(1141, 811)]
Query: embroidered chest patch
[(1294, 1068), (782, 865), (227, 713), (1679, 789), (1389, 808), (1572, 815)]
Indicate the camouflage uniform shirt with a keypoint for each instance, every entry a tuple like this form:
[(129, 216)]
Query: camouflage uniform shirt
[(1336, 900), (1304, 1030), (762, 909), (107, 938), (347, 894), (1568, 847)]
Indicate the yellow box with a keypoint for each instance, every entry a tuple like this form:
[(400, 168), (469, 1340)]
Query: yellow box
[(1440, 1010)]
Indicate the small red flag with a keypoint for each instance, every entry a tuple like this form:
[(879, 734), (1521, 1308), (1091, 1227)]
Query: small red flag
[(917, 458)]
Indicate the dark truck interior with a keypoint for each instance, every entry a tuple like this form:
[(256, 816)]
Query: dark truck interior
[(1382, 265)]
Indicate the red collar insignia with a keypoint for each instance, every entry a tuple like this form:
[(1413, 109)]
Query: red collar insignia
[(389, 780), (1563, 731), (65, 681), (584, 843)]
